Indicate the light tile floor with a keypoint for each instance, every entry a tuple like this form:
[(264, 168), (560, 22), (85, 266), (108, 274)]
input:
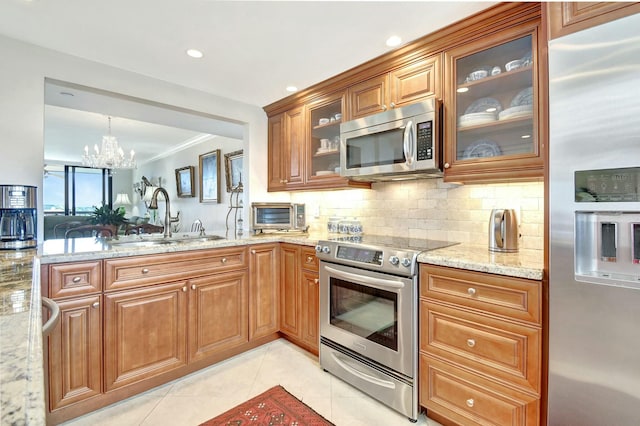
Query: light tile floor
[(202, 395)]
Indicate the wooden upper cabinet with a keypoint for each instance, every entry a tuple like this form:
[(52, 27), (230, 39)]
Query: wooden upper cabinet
[(368, 97), (567, 17), (402, 86), (494, 112), (286, 149), (415, 82)]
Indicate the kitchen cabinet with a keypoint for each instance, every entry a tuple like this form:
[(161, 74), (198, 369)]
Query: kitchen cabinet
[(566, 17), (494, 118), (300, 297), (74, 350), (303, 146), (218, 313), (286, 145), (264, 290), (129, 324), (407, 84), (145, 333), (480, 347)]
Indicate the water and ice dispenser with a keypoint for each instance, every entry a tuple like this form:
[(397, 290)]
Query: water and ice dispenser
[(607, 242)]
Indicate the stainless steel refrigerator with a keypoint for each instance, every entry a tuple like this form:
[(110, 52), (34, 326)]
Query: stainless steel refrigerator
[(594, 219)]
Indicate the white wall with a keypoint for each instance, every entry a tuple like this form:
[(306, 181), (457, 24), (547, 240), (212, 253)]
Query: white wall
[(212, 215), (24, 68)]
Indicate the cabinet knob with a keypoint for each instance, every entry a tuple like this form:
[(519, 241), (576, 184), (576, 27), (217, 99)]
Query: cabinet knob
[(145, 271), (76, 279), (471, 343), (316, 280), (471, 291), (223, 260), (309, 259), (96, 304), (193, 286), (283, 181), (184, 289), (470, 402), (392, 105), (447, 165), (384, 107), (253, 252)]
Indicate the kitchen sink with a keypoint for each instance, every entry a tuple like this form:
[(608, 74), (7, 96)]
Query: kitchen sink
[(150, 240)]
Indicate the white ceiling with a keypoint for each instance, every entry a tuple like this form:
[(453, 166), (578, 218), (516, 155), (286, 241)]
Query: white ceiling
[(253, 50)]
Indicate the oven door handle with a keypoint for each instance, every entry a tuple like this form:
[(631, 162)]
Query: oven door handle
[(363, 376), (357, 278)]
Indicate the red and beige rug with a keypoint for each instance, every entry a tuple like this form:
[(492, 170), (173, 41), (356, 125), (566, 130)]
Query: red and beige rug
[(276, 406)]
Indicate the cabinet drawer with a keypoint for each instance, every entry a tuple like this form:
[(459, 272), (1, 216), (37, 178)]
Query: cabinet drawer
[(507, 351), (74, 279), (468, 399), (144, 270), (308, 259), (513, 297)]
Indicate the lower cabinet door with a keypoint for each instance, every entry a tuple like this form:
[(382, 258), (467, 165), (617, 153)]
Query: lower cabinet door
[(469, 399), (310, 308), (145, 333), (75, 352), (217, 313), (264, 293)]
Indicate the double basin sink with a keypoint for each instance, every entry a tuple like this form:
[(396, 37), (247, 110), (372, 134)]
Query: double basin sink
[(150, 240)]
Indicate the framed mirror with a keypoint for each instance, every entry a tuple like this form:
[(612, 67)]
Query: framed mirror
[(185, 182), (233, 169), (210, 177)]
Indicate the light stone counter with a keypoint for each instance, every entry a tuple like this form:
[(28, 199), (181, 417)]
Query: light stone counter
[(21, 372), (523, 264)]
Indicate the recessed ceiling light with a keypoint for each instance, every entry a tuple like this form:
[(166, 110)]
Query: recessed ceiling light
[(195, 53), (394, 41), (292, 89)]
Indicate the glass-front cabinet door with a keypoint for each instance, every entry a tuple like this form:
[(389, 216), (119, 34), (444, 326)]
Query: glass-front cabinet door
[(323, 157), (492, 127)]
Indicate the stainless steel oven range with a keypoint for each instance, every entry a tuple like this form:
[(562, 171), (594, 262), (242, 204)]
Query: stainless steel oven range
[(369, 315)]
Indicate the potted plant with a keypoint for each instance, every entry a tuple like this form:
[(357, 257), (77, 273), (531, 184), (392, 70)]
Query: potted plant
[(105, 216)]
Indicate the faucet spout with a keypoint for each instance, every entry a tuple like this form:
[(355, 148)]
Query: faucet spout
[(167, 211)]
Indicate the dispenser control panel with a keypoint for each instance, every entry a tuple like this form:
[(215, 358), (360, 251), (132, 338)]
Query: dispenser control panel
[(607, 185)]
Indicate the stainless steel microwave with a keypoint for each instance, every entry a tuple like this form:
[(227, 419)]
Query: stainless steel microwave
[(278, 217), (402, 143)]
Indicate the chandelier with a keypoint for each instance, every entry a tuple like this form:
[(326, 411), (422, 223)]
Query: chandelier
[(109, 156)]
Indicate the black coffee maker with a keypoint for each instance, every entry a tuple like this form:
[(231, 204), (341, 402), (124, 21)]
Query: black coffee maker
[(18, 217)]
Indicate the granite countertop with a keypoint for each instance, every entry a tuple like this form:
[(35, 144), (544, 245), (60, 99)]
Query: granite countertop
[(21, 373), (523, 264)]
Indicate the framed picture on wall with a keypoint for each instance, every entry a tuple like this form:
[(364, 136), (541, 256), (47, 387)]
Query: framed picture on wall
[(233, 169), (210, 177), (185, 181)]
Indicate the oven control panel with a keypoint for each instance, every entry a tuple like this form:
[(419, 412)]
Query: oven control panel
[(362, 255)]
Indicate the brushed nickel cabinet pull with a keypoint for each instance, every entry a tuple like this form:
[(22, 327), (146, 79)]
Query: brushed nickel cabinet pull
[(193, 286), (145, 271), (184, 288), (470, 402), (471, 343), (224, 260), (76, 279), (447, 165), (95, 304), (316, 280), (253, 252), (471, 291)]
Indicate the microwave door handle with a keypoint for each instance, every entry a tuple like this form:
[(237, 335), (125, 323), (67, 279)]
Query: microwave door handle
[(409, 143)]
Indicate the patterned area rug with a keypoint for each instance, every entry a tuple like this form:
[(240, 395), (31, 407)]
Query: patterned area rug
[(273, 407)]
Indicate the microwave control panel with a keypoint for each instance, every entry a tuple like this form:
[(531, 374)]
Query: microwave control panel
[(425, 141)]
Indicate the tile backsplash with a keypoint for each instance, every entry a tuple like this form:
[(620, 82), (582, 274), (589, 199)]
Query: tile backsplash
[(430, 208)]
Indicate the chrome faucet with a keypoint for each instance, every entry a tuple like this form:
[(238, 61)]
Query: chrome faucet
[(167, 211)]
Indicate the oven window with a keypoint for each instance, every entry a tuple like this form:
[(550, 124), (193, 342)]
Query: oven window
[(365, 311), (376, 149)]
